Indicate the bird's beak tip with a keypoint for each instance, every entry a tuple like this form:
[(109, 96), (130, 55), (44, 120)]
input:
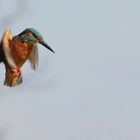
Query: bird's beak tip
[(53, 51), (47, 46)]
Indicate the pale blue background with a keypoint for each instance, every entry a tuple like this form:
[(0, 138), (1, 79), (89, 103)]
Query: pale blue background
[(89, 89)]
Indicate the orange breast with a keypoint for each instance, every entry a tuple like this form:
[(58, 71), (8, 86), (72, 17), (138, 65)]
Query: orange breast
[(20, 51)]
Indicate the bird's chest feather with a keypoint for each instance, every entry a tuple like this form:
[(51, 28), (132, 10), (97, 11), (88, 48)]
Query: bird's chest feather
[(21, 51)]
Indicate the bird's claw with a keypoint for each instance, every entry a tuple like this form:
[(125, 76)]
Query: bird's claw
[(17, 72)]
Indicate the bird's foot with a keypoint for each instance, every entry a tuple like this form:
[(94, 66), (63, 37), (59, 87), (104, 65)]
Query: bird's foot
[(17, 72)]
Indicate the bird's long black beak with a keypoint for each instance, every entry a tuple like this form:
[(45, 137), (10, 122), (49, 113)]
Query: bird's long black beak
[(46, 45)]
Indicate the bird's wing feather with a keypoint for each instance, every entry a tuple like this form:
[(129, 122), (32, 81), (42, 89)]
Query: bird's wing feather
[(33, 58), (7, 37), (1, 53)]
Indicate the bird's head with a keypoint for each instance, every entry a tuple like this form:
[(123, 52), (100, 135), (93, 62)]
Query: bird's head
[(30, 34)]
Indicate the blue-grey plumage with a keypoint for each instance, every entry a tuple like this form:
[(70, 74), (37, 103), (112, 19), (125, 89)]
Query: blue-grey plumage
[(28, 38), (33, 31)]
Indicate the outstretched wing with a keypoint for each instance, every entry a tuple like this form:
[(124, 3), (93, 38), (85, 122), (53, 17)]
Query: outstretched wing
[(33, 58), (5, 50)]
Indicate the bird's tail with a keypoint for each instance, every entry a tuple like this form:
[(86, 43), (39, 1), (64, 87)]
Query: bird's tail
[(12, 78)]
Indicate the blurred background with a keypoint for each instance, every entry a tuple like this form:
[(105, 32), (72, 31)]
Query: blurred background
[(89, 89)]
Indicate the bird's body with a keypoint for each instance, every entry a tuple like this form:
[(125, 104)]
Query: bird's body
[(15, 51), (21, 50)]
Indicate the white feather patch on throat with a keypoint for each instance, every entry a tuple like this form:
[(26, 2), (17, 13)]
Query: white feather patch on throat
[(7, 36)]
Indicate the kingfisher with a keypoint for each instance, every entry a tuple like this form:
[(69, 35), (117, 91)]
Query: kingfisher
[(16, 50)]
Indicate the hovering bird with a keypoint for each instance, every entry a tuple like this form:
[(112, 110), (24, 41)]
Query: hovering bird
[(15, 51)]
